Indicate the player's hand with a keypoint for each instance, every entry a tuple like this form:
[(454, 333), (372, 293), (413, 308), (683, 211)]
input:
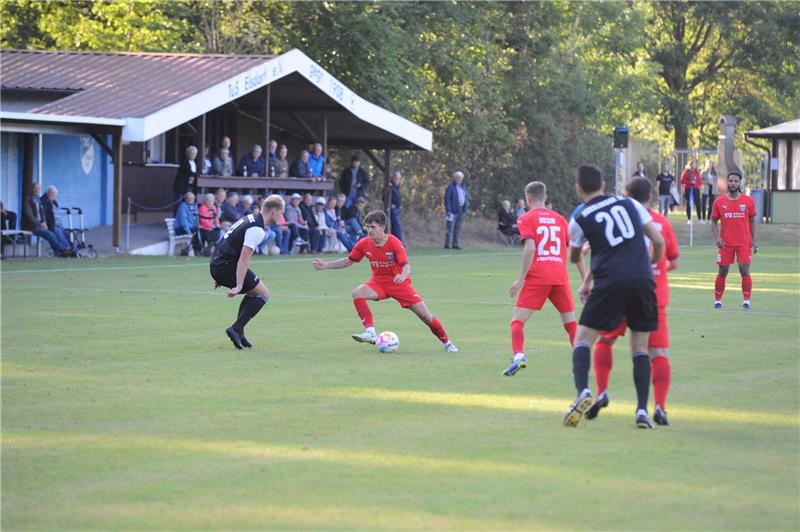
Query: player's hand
[(319, 264), (755, 248), (584, 291), (399, 278), (514, 288), (234, 291), (720, 243)]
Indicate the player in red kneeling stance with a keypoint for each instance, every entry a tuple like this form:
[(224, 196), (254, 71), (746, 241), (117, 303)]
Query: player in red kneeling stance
[(390, 279), (735, 239), (640, 190)]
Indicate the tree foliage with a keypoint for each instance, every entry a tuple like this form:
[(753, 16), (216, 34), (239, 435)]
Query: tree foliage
[(513, 91)]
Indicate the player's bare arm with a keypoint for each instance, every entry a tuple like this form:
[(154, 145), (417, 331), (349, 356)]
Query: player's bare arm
[(715, 232), (575, 254), (753, 234), (586, 287), (673, 264), (652, 232), (403, 275), (241, 270), (344, 262), (528, 252)]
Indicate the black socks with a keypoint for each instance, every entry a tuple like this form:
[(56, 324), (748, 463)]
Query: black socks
[(641, 378), (249, 307), (581, 362)]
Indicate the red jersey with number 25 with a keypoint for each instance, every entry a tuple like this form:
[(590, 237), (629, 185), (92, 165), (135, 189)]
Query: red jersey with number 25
[(386, 261), (671, 252), (735, 217), (548, 230)]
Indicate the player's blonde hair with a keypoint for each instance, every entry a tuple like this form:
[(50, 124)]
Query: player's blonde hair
[(536, 190), (273, 201)]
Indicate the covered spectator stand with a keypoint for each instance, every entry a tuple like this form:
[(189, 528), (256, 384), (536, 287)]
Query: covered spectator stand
[(108, 126)]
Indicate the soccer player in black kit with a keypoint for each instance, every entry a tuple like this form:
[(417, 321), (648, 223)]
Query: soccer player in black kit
[(615, 227), (230, 265)]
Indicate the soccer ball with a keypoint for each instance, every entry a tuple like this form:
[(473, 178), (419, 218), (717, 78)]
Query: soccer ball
[(387, 342)]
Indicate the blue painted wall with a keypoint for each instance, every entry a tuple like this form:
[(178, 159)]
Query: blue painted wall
[(75, 164)]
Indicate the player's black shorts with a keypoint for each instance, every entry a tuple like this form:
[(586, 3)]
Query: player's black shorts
[(225, 274), (633, 300)]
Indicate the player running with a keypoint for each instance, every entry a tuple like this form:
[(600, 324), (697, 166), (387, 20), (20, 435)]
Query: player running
[(390, 279), (230, 265), (615, 227), (735, 239), (544, 272), (640, 190)]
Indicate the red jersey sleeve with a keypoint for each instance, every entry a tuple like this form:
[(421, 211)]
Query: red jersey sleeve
[(751, 207), (526, 228), (672, 251), (715, 209), (399, 252), (357, 253)]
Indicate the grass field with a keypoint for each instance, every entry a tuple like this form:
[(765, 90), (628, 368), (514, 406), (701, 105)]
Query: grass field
[(125, 406)]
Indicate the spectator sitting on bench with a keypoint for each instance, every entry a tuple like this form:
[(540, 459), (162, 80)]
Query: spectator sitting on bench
[(319, 223), (300, 168), (33, 221), (219, 200), (222, 165), (507, 220), (186, 217), (281, 163), (283, 235), (52, 215), (314, 234), (252, 164), (246, 203), (352, 219), (208, 224), (337, 224), (298, 228), (231, 210), (8, 221)]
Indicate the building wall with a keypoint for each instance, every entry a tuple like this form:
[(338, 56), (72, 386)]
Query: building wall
[(75, 164)]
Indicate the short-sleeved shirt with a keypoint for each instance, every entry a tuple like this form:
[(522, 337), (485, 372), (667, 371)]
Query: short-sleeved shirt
[(549, 232), (613, 226), (386, 261), (665, 184), (735, 217), (671, 252), (247, 231)]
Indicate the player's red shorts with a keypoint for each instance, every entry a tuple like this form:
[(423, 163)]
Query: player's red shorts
[(533, 295), (659, 339), (403, 293), (729, 254)]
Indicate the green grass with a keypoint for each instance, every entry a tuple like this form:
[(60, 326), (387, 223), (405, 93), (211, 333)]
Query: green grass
[(125, 407)]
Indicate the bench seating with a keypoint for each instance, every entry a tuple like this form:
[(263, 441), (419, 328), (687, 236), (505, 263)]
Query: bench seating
[(175, 240)]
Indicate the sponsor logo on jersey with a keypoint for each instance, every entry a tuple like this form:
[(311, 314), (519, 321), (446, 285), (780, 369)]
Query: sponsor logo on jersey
[(742, 208), (390, 255)]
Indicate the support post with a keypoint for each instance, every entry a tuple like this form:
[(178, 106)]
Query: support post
[(267, 118), (40, 158), (325, 146), (201, 149), (387, 187), (116, 145)]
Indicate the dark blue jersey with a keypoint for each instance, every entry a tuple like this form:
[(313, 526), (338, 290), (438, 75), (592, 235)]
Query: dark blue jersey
[(613, 227), (247, 231)]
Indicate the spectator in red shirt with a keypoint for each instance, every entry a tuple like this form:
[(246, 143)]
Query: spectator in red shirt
[(208, 223), (692, 183)]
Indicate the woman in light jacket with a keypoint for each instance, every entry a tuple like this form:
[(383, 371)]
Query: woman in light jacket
[(709, 177)]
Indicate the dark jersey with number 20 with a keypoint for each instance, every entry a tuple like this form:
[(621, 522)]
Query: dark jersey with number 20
[(229, 250), (613, 227)]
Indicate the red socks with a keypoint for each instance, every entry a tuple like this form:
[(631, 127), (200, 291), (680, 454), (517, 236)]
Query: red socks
[(719, 287), (363, 312), (571, 327), (603, 361), (517, 336), (437, 330), (747, 286), (662, 374)]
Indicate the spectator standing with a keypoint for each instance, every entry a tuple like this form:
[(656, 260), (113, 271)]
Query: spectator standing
[(186, 176), (252, 164), (231, 210), (272, 154), (330, 174), (316, 162), (186, 216), (665, 181), (335, 222), (298, 228), (226, 144), (692, 183), (352, 219), (395, 204), (281, 163), (709, 177), (354, 181), (300, 166), (205, 167), (521, 209), (456, 201), (33, 220), (640, 170), (506, 219), (208, 223), (222, 164)]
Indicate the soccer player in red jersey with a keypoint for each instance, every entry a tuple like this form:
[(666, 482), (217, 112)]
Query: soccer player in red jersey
[(544, 271), (390, 279), (640, 190), (736, 238)]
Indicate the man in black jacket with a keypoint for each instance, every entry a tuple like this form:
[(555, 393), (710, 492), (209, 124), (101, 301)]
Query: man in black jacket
[(354, 181), (300, 166), (33, 220), (186, 177)]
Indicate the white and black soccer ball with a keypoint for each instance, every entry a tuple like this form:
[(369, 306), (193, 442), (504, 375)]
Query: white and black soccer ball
[(387, 342)]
